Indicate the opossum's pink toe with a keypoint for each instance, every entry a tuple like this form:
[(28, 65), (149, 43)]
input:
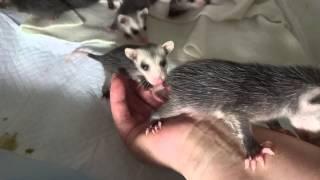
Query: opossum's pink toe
[(154, 128), (260, 160), (247, 163), (267, 151), (147, 131), (252, 163), (159, 124)]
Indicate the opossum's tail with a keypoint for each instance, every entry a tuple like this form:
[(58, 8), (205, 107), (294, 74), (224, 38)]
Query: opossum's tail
[(83, 52), (95, 57)]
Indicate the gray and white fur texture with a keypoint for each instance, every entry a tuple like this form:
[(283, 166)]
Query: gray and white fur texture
[(131, 18), (146, 64), (49, 9), (241, 94)]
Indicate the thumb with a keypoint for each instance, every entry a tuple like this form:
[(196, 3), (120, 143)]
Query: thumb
[(119, 108)]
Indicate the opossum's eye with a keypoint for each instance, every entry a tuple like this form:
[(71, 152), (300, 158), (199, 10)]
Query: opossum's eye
[(315, 100), (135, 31), (145, 28), (163, 63), (144, 66)]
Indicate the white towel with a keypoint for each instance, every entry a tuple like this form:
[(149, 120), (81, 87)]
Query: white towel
[(55, 109)]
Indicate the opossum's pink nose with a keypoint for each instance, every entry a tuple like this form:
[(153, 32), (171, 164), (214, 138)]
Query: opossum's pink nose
[(158, 82)]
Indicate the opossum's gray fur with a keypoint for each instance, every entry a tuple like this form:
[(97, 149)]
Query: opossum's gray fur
[(242, 93)]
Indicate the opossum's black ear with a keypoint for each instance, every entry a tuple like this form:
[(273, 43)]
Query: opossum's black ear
[(315, 100), (168, 46), (131, 53), (122, 19)]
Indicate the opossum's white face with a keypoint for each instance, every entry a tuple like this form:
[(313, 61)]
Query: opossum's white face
[(307, 116), (152, 63), (192, 4), (134, 26)]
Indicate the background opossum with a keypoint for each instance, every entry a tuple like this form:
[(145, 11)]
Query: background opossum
[(131, 15), (131, 18), (242, 93), (146, 64)]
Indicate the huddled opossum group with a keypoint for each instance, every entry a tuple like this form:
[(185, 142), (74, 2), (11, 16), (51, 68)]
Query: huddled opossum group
[(130, 14), (237, 93)]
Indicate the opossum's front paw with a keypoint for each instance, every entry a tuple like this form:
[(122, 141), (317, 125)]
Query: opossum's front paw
[(256, 157), (154, 128)]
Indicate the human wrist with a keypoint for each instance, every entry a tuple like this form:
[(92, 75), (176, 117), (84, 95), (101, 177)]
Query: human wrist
[(210, 153)]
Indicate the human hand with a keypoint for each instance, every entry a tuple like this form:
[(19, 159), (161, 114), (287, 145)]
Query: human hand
[(183, 144), (131, 107)]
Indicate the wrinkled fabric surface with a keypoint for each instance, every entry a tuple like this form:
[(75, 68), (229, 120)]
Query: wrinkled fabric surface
[(55, 106), (238, 30)]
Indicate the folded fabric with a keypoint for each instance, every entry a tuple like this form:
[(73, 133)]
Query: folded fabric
[(51, 110), (237, 30)]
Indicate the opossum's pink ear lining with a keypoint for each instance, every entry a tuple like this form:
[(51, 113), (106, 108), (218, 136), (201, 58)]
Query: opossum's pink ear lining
[(131, 53), (168, 46)]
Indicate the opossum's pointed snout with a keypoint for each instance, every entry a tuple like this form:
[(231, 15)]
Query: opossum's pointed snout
[(158, 82)]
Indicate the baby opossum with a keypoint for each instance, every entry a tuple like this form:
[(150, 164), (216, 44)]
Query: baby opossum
[(132, 14), (49, 9), (179, 7), (147, 64), (240, 94), (131, 18)]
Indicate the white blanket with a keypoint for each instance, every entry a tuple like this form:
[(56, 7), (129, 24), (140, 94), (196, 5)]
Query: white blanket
[(55, 109)]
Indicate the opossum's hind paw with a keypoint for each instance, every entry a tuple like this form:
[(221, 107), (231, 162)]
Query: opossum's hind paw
[(252, 161), (154, 128)]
